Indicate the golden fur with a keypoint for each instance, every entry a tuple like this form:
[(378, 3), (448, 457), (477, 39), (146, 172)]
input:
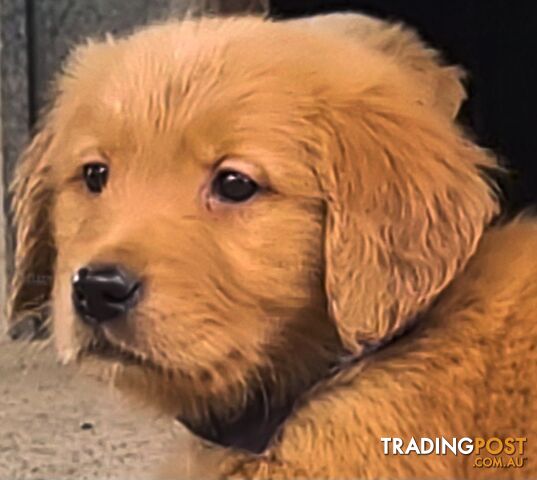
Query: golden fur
[(373, 219)]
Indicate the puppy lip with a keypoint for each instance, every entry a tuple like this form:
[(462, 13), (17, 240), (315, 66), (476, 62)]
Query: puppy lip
[(105, 348)]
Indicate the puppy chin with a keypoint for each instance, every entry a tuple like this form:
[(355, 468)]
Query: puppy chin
[(142, 383), (139, 384)]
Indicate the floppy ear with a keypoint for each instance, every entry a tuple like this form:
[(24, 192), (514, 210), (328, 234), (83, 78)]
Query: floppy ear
[(440, 86), (34, 255), (406, 207)]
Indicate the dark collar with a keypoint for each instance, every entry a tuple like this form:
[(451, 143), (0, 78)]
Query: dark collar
[(258, 424), (252, 430)]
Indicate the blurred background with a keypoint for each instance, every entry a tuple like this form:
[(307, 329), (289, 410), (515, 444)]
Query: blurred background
[(53, 426)]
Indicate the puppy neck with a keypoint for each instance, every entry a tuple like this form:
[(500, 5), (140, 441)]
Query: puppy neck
[(258, 424), (250, 420), (252, 429)]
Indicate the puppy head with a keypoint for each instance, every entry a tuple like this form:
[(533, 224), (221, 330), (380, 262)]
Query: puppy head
[(275, 191)]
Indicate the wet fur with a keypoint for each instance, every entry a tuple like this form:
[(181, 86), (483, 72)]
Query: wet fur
[(377, 219)]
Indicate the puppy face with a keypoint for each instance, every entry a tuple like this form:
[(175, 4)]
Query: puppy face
[(261, 192), (230, 287)]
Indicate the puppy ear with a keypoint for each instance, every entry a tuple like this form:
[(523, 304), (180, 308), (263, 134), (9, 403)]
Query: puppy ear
[(406, 207), (34, 254), (440, 86)]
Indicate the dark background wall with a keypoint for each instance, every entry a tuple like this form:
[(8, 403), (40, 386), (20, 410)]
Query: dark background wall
[(496, 42)]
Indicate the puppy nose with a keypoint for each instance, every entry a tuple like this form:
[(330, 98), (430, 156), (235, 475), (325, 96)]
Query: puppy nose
[(104, 293)]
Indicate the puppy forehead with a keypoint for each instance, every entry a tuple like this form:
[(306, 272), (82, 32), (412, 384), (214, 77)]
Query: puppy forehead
[(170, 75), (210, 88)]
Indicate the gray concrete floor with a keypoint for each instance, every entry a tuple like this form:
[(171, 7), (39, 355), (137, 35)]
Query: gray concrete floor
[(58, 424)]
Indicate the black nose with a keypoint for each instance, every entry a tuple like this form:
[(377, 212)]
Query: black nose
[(104, 293)]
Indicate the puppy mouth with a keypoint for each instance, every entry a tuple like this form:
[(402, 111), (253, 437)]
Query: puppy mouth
[(251, 429)]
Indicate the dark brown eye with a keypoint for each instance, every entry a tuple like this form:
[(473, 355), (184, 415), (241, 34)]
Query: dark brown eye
[(95, 176), (232, 186)]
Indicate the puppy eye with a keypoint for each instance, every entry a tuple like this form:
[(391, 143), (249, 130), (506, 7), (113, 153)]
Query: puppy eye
[(233, 186), (95, 176)]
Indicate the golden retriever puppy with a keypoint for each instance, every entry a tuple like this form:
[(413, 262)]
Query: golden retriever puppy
[(277, 234)]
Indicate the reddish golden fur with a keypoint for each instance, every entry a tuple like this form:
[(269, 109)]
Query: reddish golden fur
[(377, 207)]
